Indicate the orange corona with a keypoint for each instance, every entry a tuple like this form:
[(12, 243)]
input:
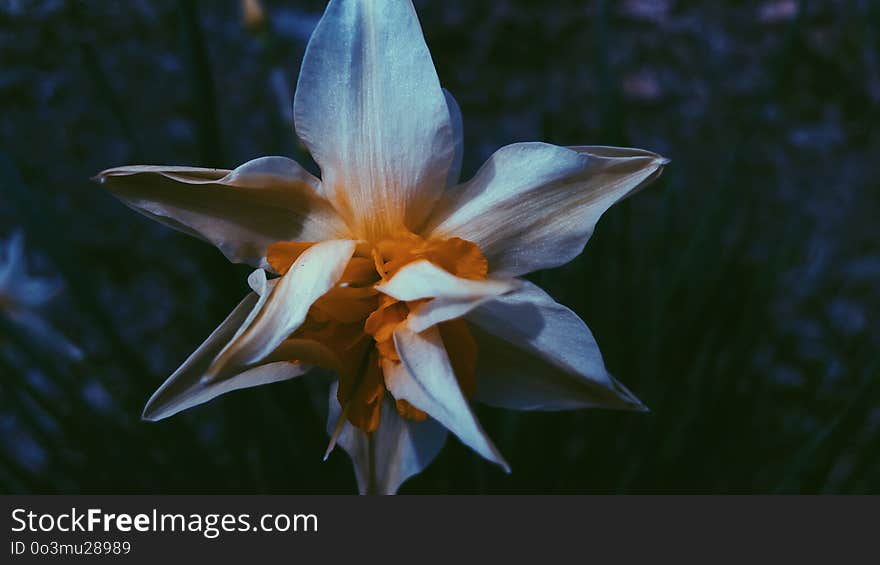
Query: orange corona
[(357, 322)]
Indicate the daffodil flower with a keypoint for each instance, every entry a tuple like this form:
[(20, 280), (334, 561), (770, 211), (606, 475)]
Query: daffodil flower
[(23, 296), (393, 274)]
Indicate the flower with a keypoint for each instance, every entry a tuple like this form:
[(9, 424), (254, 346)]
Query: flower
[(394, 275), (22, 296)]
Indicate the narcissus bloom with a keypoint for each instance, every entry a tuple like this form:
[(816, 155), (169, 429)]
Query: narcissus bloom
[(393, 274), (23, 296)]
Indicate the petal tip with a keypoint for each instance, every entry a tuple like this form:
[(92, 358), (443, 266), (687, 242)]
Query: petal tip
[(498, 459), (634, 404), (149, 415), (155, 409)]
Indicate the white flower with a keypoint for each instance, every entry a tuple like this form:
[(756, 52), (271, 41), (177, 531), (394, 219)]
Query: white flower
[(394, 275), (22, 297)]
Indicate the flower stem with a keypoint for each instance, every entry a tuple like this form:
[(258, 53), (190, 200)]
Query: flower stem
[(372, 485)]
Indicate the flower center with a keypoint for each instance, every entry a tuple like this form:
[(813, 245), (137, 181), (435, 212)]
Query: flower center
[(357, 322)]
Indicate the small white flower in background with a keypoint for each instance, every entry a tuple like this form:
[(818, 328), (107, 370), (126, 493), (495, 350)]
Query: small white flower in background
[(393, 274), (22, 297)]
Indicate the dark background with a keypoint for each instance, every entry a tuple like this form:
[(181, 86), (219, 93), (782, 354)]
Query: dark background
[(737, 296)]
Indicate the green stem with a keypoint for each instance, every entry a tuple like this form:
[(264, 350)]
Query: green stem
[(372, 484)]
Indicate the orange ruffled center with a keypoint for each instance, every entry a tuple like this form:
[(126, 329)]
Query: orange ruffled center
[(357, 322)]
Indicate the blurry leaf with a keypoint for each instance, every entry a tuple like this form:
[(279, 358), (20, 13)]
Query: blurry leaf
[(812, 466), (203, 103)]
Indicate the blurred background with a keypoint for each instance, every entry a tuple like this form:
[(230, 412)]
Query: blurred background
[(737, 296)]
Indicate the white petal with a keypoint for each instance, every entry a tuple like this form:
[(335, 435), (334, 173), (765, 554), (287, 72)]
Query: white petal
[(400, 448), (451, 296), (422, 279), (425, 379), (457, 123), (242, 211), (370, 109), (200, 393), (314, 272), (185, 388), (536, 354), (616, 152), (534, 206), (262, 287)]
